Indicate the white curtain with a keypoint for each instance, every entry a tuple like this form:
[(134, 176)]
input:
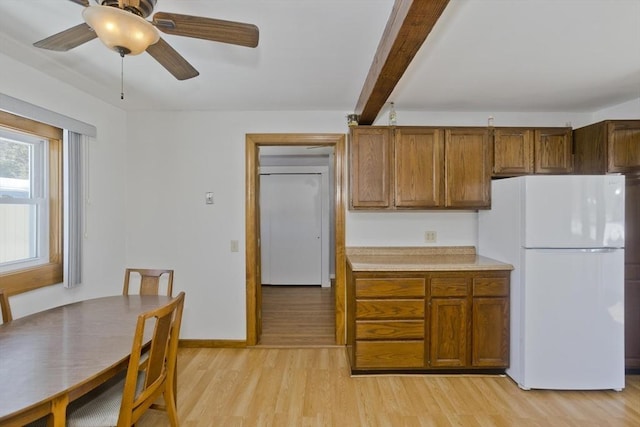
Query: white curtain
[(75, 201)]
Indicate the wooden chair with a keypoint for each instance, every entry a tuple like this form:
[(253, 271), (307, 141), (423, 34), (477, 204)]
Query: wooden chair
[(5, 308), (149, 280), (122, 403)]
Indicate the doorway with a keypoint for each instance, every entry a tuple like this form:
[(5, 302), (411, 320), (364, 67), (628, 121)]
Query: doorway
[(252, 217)]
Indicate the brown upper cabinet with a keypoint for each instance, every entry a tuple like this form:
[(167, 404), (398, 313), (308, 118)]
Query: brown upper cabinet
[(526, 151), (610, 146), (467, 168), (370, 168), (400, 168), (419, 167)]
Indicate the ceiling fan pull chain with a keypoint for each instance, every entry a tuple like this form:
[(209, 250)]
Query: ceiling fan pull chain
[(121, 76)]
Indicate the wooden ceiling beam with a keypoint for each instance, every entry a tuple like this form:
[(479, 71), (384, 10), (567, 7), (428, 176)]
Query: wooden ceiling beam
[(408, 26)]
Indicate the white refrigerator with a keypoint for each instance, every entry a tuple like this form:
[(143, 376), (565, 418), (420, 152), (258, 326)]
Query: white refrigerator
[(564, 235)]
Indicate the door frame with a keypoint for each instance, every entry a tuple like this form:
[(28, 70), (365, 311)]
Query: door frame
[(252, 219)]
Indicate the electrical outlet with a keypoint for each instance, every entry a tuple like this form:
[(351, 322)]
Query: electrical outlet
[(430, 237)]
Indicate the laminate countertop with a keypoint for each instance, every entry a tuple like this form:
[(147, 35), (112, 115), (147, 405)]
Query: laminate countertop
[(440, 258)]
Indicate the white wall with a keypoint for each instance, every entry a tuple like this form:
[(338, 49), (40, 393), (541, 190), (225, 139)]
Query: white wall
[(500, 118), (106, 217), (173, 160), (149, 172), (627, 110)]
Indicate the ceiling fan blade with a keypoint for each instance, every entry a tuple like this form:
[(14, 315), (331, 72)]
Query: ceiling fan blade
[(81, 2), (170, 59), (67, 39), (207, 28)]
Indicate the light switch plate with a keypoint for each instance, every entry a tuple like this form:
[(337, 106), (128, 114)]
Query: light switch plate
[(208, 197)]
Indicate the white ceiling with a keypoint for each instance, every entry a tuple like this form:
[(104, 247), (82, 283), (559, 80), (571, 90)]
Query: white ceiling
[(498, 55)]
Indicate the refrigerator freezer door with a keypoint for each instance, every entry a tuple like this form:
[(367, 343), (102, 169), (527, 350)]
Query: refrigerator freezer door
[(574, 211), (573, 320)]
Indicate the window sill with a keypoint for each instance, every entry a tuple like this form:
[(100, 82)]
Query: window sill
[(18, 281)]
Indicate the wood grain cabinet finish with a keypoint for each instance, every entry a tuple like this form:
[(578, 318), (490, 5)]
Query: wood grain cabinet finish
[(512, 151), (370, 166), (467, 168), (389, 322), (428, 321), (610, 146), (419, 167), (526, 151), (401, 168), (449, 329), (552, 151), (490, 343)]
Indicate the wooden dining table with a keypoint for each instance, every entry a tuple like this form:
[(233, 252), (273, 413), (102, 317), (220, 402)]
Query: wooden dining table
[(51, 358)]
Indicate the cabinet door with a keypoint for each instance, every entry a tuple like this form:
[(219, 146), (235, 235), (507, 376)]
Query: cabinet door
[(512, 151), (552, 151), (490, 320), (590, 149), (490, 335), (467, 168), (448, 332), (371, 172), (418, 167), (624, 146)]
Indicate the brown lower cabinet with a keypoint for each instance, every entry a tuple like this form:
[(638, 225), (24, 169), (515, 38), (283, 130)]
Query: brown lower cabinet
[(428, 321)]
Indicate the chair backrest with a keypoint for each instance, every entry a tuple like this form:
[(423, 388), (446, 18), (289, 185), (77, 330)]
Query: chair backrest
[(5, 308), (149, 280), (160, 365)]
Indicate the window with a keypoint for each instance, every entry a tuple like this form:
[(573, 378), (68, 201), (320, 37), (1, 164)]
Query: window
[(30, 204)]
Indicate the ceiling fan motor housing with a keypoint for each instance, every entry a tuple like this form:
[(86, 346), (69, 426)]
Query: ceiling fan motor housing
[(141, 8)]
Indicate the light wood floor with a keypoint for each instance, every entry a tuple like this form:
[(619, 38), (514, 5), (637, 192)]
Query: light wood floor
[(313, 387), (291, 379), (297, 316)]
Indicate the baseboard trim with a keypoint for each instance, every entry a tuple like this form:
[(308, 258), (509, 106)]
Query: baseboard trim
[(212, 343)]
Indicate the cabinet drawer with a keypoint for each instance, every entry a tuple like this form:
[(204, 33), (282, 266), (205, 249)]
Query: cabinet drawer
[(390, 354), (390, 309), (393, 287), (448, 287), (490, 287), (389, 329)]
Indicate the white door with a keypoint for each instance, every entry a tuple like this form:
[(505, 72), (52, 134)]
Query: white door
[(573, 329), (291, 229), (570, 211)]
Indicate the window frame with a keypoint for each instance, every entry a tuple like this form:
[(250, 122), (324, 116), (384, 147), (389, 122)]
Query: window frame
[(51, 272)]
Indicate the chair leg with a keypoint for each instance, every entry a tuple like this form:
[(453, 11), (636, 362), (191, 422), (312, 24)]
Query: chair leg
[(170, 406)]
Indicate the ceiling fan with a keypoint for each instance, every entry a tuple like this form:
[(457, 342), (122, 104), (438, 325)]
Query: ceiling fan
[(121, 26)]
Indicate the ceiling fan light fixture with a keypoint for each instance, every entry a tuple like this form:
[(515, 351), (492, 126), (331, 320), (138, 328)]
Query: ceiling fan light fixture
[(119, 30)]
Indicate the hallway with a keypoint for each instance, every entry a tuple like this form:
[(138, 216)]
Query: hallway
[(297, 316)]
